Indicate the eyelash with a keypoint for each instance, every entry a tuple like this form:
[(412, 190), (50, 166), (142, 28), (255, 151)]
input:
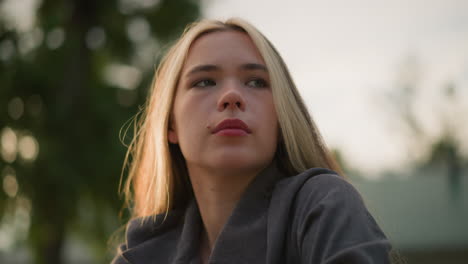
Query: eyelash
[(263, 82), (195, 84)]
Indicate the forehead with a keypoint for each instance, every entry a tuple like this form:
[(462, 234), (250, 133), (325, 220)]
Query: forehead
[(223, 46)]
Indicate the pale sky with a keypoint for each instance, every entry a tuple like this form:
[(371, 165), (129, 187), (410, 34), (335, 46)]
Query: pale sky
[(345, 55)]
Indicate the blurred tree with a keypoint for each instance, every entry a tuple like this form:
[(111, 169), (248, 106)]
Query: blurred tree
[(68, 84), (402, 100), (429, 152), (347, 168), (446, 149)]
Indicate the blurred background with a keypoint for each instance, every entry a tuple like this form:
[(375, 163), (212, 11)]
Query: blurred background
[(385, 81)]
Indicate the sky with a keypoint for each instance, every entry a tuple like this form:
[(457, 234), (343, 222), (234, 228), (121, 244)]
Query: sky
[(345, 56)]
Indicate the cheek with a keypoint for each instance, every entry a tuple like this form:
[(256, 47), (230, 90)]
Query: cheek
[(270, 124), (190, 114), (271, 114), (184, 109)]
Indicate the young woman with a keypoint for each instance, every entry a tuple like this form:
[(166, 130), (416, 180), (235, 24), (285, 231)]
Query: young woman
[(228, 167)]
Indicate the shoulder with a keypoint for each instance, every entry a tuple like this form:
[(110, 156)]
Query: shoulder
[(316, 193), (142, 229), (319, 191), (329, 220), (145, 234), (328, 188), (316, 184)]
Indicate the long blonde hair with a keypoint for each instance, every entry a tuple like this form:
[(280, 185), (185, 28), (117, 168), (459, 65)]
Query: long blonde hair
[(157, 177)]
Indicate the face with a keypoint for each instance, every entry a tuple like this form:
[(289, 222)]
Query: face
[(223, 116)]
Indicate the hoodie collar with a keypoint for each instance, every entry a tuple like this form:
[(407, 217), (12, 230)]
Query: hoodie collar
[(242, 240), (243, 237)]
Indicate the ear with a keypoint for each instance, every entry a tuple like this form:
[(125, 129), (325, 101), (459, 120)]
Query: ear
[(172, 134)]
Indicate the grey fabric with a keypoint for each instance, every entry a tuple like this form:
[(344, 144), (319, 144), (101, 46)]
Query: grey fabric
[(312, 217)]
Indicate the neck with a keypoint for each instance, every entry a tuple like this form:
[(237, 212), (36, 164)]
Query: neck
[(217, 193)]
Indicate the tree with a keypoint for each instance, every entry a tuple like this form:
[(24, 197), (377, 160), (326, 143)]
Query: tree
[(68, 84), (429, 152)]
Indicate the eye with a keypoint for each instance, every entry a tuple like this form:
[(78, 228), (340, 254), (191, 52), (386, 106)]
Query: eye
[(259, 83), (204, 83)]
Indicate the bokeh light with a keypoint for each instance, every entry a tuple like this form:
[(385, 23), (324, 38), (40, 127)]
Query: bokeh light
[(10, 184), (30, 40), (28, 148), (129, 6), (55, 38), (9, 148), (16, 108), (95, 38), (138, 29), (122, 76)]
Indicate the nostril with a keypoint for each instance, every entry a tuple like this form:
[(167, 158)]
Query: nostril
[(231, 99), (238, 104)]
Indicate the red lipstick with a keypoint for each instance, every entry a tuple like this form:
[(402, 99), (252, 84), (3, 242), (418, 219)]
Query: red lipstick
[(232, 127)]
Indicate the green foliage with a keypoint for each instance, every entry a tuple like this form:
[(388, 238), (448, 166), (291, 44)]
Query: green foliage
[(74, 109)]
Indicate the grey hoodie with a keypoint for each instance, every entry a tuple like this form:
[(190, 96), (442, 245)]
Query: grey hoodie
[(315, 217)]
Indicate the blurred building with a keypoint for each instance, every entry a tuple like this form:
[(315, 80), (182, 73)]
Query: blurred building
[(425, 215)]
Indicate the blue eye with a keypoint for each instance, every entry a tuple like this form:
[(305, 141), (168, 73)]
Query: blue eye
[(259, 83), (204, 83)]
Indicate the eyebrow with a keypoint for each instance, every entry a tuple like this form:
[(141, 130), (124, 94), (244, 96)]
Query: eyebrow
[(212, 67), (254, 66)]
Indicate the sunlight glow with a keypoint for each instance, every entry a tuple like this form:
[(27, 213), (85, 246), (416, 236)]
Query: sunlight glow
[(28, 148), (10, 185), (8, 142), (55, 38), (122, 76), (19, 14)]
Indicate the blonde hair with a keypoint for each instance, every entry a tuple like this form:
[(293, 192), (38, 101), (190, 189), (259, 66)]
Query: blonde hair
[(158, 179)]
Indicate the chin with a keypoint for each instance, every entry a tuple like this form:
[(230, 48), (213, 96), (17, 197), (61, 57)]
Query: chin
[(238, 162)]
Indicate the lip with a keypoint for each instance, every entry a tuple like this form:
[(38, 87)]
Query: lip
[(232, 125)]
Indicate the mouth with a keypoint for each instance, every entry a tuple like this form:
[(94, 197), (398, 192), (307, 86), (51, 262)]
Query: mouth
[(232, 127)]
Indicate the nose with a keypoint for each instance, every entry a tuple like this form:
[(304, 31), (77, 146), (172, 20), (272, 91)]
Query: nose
[(231, 99)]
